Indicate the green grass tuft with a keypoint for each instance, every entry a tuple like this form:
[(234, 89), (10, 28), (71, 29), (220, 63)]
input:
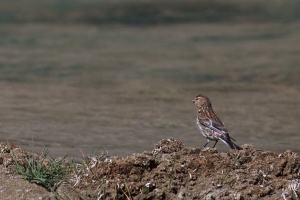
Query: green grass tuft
[(42, 170)]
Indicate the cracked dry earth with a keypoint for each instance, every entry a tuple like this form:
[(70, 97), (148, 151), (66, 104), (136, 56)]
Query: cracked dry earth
[(170, 171)]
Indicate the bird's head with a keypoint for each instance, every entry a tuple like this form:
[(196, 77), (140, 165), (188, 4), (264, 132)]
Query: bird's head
[(201, 101)]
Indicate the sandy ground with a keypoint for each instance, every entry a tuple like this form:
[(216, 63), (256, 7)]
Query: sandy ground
[(119, 87)]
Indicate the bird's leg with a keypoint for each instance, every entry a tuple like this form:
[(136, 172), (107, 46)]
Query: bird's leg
[(206, 144), (215, 143)]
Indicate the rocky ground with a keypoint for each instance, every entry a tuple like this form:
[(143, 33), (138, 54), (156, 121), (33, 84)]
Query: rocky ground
[(170, 171)]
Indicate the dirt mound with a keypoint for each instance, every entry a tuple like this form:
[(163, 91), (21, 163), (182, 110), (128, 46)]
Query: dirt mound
[(173, 171)]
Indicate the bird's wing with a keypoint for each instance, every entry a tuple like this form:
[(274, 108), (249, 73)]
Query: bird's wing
[(215, 125), (218, 125)]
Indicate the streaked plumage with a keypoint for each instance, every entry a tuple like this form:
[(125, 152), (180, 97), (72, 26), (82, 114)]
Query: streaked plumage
[(210, 125)]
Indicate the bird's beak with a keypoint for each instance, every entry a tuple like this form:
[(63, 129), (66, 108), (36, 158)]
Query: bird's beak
[(193, 101)]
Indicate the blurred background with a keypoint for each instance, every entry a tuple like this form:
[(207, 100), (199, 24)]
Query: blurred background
[(119, 75)]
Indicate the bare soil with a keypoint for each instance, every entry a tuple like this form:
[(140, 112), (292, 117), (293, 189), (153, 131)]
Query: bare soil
[(170, 171)]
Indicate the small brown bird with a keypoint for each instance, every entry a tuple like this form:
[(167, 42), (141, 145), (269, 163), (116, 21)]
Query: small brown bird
[(210, 125)]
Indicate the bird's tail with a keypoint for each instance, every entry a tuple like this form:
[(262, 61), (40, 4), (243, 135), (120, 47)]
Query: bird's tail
[(231, 144)]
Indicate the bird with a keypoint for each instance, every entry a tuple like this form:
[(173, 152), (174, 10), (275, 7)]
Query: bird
[(209, 123)]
